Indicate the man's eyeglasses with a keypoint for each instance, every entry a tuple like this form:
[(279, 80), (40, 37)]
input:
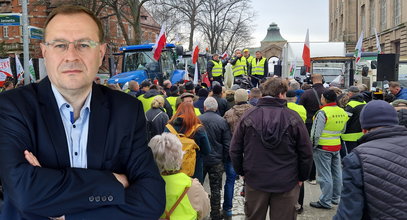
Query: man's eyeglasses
[(81, 46)]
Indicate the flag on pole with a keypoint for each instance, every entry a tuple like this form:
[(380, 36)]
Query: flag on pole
[(195, 56), (293, 66), (379, 48), (224, 56), (32, 71), (306, 54), (160, 43), (19, 69), (358, 48), (186, 76)]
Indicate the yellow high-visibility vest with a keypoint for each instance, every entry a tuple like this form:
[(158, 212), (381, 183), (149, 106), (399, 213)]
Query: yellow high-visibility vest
[(336, 119), (258, 67)]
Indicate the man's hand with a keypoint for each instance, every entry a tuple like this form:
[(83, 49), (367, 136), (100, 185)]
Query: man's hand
[(122, 179), (31, 159)]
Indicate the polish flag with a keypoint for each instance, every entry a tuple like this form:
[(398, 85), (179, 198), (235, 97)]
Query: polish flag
[(224, 56), (306, 54), (160, 43), (195, 56), (358, 48), (195, 53)]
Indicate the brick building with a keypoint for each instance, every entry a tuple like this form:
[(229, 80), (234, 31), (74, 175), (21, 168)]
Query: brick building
[(38, 11), (347, 19)]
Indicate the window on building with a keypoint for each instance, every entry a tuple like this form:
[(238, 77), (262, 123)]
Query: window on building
[(130, 33), (5, 31), (119, 31), (383, 15), (397, 12), (372, 16), (363, 15)]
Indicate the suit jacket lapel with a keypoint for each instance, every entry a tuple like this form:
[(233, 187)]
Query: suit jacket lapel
[(98, 128), (53, 121)]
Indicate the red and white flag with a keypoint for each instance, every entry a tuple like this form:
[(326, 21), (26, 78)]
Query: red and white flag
[(224, 56), (358, 48), (160, 43), (5, 70), (306, 54), (195, 56)]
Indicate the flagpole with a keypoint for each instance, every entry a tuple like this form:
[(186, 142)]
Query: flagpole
[(25, 43)]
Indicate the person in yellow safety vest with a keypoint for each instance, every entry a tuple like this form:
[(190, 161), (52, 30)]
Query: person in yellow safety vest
[(246, 54), (291, 99), (148, 97), (239, 65), (189, 98), (172, 97), (185, 197), (215, 69), (353, 129), (329, 124), (259, 69)]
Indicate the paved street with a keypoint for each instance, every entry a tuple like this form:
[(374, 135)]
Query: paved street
[(312, 193)]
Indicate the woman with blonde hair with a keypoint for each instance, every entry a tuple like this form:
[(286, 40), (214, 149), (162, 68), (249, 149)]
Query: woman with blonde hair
[(185, 197), (156, 117), (185, 121)]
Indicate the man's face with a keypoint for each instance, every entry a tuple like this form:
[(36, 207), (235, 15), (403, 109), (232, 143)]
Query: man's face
[(246, 53), (216, 58), (238, 53), (258, 55), (189, 100), (394, 90), (72, 69)]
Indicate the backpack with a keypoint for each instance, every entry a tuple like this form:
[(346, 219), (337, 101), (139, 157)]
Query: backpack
[(149, 125), (169, 213), (189, 147)]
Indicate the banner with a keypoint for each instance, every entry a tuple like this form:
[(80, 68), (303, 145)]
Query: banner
[(5, 70), (32, 71), (19, 68)]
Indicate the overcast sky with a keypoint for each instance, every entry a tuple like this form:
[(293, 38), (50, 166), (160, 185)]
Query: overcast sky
[(293, 17)]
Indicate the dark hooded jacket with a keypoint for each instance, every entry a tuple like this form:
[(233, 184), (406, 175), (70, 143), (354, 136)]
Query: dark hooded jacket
[(271, 147)]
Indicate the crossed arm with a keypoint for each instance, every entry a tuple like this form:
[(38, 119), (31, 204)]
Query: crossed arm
[(42, 191)]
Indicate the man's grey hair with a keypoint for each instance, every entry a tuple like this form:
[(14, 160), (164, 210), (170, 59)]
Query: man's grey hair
[(167, 151), (211, 104), (238, 50), (294, 85)]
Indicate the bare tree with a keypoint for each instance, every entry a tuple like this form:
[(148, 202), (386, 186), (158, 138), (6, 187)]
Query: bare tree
[(128, 10), (226, 24), (172, 19), (189, 9)]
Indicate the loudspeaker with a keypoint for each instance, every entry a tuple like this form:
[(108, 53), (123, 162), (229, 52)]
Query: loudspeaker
[(277, 70), (388, 67)]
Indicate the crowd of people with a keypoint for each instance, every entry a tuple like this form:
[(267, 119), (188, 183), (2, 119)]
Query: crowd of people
[(324, 129), (70, 148)]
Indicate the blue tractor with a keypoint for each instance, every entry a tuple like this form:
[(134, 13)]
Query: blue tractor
[(139, 65)]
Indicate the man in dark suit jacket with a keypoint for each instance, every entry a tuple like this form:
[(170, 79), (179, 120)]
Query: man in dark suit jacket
[(40, 172)]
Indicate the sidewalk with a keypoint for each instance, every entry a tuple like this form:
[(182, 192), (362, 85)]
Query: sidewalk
[(312, 193)]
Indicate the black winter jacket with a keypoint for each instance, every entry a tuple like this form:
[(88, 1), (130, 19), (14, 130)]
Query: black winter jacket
[(219, 136)]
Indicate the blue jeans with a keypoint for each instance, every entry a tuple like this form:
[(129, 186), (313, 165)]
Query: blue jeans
[(229, 186), (329, 176)]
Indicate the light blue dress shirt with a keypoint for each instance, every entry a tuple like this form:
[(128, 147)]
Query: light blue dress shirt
[(76, 131)]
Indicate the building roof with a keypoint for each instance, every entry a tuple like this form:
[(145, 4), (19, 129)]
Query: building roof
[(273, 34)]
